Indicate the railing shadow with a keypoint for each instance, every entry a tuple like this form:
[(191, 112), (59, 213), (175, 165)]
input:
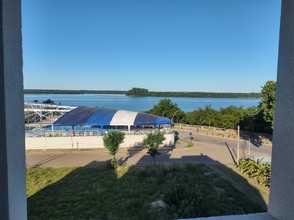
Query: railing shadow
[(190, 186)]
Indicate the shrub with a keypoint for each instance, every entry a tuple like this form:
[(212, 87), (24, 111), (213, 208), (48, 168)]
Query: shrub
[(261, 172), (152, 142), (112, 140)]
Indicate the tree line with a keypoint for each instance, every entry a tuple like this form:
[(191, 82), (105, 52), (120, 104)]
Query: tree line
[(254, 119), (146, 92)]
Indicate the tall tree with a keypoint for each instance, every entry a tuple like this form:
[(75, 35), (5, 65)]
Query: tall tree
[(167, 108), (268, 101)]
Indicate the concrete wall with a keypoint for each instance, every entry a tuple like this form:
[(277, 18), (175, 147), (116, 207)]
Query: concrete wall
[(86, 142), (282, 185)]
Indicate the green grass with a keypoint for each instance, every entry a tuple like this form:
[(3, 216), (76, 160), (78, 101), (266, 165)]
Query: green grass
[(100, 193), (186, 143)]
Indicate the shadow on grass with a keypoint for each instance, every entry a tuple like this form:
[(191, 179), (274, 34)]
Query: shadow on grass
[(191, 186)]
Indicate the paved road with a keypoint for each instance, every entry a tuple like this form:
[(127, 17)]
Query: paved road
[(205, 149), (258, 152), (198, 153)]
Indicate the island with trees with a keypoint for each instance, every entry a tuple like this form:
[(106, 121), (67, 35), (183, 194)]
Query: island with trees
[(145, 92)]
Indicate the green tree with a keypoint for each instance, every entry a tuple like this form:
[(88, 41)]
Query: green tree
[(112, 140), (167, 108), (152, 143), (228, 117), (49, 101), (137, 92), (268, 101), (202, 116)]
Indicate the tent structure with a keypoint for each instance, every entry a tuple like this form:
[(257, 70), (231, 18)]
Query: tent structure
[(91, 116)]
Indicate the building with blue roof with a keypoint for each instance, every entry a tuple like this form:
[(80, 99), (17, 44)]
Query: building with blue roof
[(109, 118)]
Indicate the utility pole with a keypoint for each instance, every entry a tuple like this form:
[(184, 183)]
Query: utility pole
[(238, 145)]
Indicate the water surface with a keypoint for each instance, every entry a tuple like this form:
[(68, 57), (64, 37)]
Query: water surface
[(141, 103)]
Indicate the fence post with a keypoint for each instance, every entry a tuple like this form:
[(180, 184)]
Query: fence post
[(249, 149)]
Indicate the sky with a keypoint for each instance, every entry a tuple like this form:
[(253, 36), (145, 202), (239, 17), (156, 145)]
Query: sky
[(162, 45)]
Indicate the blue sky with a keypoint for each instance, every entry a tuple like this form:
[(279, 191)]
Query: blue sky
[(191, 45)]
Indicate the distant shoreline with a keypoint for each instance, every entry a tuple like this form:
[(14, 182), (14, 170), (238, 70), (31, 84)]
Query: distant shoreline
[(150, 93)]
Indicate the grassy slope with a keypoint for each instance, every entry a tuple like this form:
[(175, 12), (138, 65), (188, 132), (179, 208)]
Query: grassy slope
[(245, 184), (92, 193)]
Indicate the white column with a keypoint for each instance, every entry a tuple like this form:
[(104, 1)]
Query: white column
[(12, 150), (282, 187)]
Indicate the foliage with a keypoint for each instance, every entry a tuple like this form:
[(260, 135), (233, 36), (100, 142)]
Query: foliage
[(255, 123), (112, 140), (228, 117), (249, 119), (268, 100), (87, 193), (254, 119), (146, 92), (138, 92), (49, 101), (167, 108), (261, 172), (152, 142)]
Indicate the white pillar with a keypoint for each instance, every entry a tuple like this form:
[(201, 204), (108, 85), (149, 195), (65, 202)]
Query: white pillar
[(12, 148), (282, 186), (238, 144)]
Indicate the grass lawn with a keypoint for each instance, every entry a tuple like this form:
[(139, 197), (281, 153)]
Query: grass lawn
[(100, 193)]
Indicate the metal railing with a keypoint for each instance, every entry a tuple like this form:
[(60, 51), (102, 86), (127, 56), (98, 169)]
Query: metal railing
[(41, 132)]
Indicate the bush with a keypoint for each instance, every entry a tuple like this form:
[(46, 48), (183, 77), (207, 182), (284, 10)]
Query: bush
[(227, 118), (112, 140), (261, 172)]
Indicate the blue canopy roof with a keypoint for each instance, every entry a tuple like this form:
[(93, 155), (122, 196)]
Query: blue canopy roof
[(88, 116)]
